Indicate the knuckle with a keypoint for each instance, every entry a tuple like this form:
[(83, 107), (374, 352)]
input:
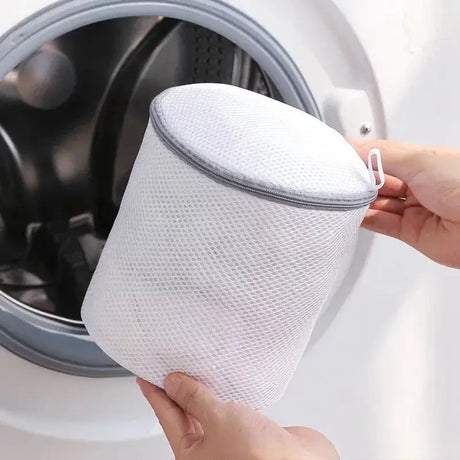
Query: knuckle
[(233, 407), (191, 397), (231, 411)]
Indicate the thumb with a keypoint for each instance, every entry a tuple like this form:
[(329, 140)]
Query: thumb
[(193, 397), (400, 160)]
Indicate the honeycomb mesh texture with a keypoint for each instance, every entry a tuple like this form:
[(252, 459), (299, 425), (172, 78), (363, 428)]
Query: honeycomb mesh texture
[(259, 141), (206, 279)]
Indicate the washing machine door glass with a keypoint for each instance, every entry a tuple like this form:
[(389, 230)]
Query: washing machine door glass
[(76, 110), (72, 118)]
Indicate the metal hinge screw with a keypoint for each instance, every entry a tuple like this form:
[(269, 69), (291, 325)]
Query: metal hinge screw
[(366, 128)]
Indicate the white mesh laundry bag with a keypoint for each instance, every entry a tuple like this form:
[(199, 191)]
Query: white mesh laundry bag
[(238, 216)]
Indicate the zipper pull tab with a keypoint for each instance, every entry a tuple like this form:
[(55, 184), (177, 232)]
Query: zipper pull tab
[(378, 157)]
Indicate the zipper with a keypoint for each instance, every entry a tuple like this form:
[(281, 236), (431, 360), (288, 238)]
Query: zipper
[(259, 190)]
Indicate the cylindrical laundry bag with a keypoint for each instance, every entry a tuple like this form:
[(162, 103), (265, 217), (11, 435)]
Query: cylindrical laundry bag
[(237, 219)]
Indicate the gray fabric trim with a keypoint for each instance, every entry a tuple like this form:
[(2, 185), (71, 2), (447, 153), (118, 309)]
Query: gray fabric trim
[(245, 183)]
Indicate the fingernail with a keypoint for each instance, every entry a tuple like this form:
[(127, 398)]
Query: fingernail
[(171, 384)]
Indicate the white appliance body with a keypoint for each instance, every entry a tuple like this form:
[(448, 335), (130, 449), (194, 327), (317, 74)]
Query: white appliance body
[(380, 378)]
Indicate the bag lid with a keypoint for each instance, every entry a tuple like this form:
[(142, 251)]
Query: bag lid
[(262, 145)]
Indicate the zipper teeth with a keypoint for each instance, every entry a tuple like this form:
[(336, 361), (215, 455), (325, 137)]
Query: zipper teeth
[(257, 190)]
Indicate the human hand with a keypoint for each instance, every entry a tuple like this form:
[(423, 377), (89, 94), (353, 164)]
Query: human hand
[(420, 201), (200, 426)]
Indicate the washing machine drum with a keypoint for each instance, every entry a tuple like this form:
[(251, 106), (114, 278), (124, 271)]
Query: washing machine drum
[(237, 220), (72, 118)]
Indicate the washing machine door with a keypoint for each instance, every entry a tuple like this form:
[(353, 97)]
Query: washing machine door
[(76, 81)]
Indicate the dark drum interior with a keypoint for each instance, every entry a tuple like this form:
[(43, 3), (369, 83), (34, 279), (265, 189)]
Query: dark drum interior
[(72, 118)]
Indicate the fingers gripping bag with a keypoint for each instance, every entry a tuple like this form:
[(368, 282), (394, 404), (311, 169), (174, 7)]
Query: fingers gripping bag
[(237, 220)]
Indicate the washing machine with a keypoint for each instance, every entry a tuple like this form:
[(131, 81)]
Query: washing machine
[(380, 377)]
